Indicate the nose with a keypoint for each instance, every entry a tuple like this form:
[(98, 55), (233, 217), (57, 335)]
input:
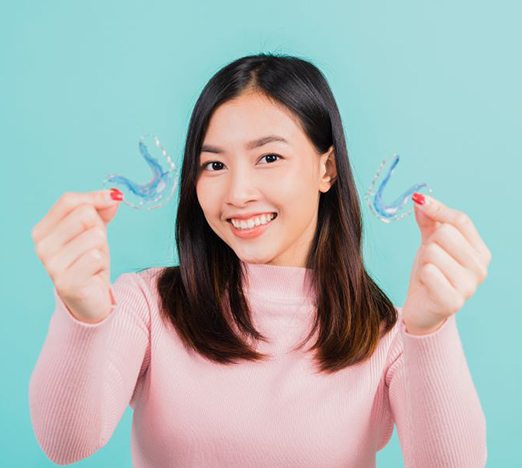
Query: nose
[(241, 187)]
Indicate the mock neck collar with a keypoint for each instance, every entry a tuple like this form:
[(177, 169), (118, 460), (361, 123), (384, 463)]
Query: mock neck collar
[(285, 284)]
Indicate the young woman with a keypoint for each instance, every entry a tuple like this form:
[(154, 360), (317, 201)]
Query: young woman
[(269, 344)]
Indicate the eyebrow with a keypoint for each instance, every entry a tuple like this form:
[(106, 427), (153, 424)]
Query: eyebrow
[(250, 145)]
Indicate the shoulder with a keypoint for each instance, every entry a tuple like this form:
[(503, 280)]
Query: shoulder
[(393, 334), (148, 277), (147, 274), (154, 279)]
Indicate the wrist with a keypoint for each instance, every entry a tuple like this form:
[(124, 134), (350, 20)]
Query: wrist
[(419, 331)]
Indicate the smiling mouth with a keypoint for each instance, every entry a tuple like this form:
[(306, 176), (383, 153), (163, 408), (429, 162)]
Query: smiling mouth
[(229, 220)]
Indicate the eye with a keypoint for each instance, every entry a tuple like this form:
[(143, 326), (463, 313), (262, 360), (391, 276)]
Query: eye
[(271, 154), (203, 166)]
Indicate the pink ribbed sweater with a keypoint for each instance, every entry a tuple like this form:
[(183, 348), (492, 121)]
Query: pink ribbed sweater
[(191, 412)]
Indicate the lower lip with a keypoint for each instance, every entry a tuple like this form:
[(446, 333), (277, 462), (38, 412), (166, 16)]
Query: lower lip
[(251, 233)]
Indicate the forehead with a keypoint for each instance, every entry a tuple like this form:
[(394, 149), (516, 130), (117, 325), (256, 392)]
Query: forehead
[(249, 117)]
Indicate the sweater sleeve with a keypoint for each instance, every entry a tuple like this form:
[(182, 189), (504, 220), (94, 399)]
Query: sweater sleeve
[(439, 419), (86, 374)]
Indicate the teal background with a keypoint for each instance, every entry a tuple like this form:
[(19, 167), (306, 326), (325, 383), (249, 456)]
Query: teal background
[(437, 82)]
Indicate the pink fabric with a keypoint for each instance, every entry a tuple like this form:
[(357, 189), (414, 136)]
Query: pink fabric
[(190, 412)]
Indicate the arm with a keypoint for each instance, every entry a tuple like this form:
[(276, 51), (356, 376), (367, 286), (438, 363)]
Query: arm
[(440, 422), (86, 374)]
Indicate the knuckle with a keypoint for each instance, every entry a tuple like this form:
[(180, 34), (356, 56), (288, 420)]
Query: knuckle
[(425, 271), (88, 215), (430, 251), (99, 234), (440, 234), (470, 290), (59, 283), (51, 267), (38, 250), (458, 303), (445, 230), (462, 218), (34, 233), (67, 199), (95, 254), (86, 209), (483, 273)]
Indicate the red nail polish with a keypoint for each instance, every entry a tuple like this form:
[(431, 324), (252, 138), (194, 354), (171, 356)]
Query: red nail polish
[(418, 198), (116, 194)]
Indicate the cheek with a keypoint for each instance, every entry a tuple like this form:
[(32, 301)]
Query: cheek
[(297, 197), (296, 183), (205, 198)]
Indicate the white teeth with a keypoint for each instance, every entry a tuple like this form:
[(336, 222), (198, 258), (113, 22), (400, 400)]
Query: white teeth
[(249, 224)]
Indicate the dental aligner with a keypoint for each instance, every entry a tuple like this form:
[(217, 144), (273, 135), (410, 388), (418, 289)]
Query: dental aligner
[(160, 187), (390, 212)]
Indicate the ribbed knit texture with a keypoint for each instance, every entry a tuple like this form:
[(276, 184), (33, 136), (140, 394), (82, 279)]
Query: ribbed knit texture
[(191, 412)]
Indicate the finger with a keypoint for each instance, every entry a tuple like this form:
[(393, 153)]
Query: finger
[(439, 288), (82, 269), (450, 239), (442, 213), (460, 279), (92, 239), (427, 225), (68, 202), (82, 218)]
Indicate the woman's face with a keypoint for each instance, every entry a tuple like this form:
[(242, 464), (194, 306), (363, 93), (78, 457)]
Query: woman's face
[(238, 180)]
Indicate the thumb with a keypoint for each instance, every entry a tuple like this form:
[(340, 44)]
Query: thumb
[(427, 225), (108, 212)]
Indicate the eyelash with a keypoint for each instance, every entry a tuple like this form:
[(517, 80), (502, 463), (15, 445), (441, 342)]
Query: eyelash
[(219, 162)]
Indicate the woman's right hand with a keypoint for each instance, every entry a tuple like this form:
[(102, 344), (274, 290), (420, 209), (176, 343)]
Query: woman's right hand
[(71, 242)]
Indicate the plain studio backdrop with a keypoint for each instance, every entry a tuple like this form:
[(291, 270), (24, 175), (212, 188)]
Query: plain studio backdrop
[(436, 82)]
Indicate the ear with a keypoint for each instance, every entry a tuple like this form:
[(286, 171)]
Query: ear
[(327, 169)]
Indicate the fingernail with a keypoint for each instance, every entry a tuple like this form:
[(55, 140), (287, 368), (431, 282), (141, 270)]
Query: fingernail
[(116, 194), (418, 198)]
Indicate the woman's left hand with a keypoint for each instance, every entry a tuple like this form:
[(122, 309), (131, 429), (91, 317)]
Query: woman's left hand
[(449, 265)]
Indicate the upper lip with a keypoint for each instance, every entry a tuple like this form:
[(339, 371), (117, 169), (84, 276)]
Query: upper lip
[(249, 215)]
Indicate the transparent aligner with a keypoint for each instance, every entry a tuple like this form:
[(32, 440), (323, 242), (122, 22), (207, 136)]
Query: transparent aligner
[(394, 211), (159, 189)]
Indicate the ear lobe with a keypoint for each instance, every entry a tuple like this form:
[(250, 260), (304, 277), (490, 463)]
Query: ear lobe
[(327, 182), (331, 167), (330, 170)]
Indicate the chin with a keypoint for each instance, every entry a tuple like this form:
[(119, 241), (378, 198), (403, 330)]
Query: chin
[(256, 259)]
